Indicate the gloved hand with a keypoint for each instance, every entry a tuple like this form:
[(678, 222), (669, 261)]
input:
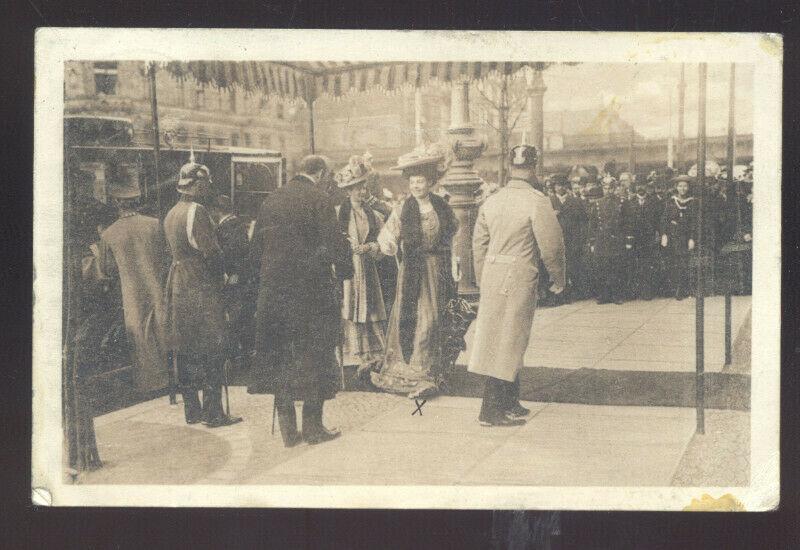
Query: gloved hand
[(664, 241), (691, 244)]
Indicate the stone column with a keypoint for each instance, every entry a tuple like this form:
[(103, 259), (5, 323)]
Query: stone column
[(462, 181), (536, 90), (418, 116)]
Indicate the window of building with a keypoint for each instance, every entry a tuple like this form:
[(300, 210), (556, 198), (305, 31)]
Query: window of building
[(200, 98), (232, 99), (279, 110), (247, 140), (181, 93), (235, 140), (283, 143), (265, 141), (105, 77)]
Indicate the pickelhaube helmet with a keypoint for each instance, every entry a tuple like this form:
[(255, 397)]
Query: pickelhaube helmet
[(192, 173)]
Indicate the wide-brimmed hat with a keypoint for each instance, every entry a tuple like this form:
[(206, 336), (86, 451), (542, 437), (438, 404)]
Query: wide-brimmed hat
[(682, 177), (192, 173), (422, 159), (357, 171), (123, 182)]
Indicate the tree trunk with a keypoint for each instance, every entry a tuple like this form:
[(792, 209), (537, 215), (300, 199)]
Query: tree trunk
[(78, 419), (504, 132)]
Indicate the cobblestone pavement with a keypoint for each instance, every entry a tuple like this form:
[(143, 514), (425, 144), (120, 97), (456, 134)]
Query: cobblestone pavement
[(720, 457)]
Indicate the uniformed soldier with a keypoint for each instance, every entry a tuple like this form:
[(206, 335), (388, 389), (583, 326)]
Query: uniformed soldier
[(607, 244), (677, 235), (195, 306), (642, 218), (573, 217), (515, 229)]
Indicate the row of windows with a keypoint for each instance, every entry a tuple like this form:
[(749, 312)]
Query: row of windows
[(106, 78), (245, 139)]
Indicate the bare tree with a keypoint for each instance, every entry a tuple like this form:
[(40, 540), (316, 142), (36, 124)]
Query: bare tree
[(506, 98)]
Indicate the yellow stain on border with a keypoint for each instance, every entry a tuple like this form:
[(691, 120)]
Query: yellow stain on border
[(707, 503)]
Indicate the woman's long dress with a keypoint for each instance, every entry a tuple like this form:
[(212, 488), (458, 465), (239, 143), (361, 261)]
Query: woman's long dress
[(363, 310), (416, 376)]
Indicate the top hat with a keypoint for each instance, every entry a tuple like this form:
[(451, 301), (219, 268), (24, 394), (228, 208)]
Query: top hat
[(357, 171), (123, 182)]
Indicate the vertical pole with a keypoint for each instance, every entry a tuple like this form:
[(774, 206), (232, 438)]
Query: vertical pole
[(536, 112), (632, 154), (728, 328), (681, 107), (418, 116), (737, 260), (699, 245), (670, 144), (310, 126), (156, 144)]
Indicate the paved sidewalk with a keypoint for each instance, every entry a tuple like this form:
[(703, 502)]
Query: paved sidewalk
[(651, 336), (597, 372), (383, 443)]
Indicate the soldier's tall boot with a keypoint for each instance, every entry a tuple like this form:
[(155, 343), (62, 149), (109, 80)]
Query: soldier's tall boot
[(192, 410), (287, 421), (213, 412), (514, 408), (314, 431), (495, 398)]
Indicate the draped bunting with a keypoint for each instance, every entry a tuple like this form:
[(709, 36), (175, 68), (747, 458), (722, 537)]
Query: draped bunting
[(309, 80)]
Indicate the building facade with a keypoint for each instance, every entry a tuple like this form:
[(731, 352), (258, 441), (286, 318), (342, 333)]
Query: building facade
[(189, 113)]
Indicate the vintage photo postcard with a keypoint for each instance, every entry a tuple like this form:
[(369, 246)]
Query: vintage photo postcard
[(384, 269)]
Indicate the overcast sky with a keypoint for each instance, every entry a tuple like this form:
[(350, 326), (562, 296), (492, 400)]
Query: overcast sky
[(642, 91)]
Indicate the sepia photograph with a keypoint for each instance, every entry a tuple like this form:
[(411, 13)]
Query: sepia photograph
[(402, 270)]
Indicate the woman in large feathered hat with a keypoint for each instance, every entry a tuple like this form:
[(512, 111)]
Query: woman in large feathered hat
[(363, 309), (419, 233)]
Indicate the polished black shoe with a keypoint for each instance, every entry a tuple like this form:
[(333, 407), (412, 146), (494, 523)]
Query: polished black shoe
[(320, 435), (223, 420), (292, 439), (518, 411), (501, 420)]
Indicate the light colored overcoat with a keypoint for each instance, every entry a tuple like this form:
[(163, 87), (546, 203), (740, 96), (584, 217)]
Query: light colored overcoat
[(137, 252), (515, 229)]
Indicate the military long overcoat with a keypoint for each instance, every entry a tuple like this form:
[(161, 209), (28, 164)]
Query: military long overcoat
[(138, 254), (515, 229), (302, 256), (195, 308)]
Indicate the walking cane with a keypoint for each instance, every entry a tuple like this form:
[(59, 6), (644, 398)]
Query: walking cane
[(274, 410), (225, 385), (175, 380)]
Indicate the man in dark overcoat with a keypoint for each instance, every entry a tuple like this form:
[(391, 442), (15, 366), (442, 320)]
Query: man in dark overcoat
[(300, 252), (642, 215), (572, 217), (238, 290), (195, 307), (607, 244)]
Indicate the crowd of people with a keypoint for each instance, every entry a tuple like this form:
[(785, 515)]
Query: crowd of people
[(329, 273), (635, 237)]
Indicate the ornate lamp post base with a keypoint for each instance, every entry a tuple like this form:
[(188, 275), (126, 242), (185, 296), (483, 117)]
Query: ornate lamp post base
[(462, 182)]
